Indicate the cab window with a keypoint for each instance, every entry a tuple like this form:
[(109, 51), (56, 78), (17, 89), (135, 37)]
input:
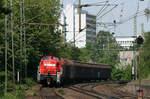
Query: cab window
[(55, 58), (46, 57)]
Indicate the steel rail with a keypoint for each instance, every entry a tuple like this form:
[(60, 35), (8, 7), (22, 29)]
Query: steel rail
[(121, 95), (48, 94)]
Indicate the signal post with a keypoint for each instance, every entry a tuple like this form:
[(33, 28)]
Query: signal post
[(139, 41)]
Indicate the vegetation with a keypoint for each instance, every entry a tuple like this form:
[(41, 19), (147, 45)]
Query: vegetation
[(121, 73), (104, 49), (145, 55), (40, 39), (61, 91), (125, 74), (3, 10), (43, 37)]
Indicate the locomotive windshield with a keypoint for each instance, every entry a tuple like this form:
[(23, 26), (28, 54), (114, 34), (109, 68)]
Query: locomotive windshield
[(46, 57), (55, 58)]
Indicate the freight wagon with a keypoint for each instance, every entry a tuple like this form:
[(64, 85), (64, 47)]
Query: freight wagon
[(56, 70)]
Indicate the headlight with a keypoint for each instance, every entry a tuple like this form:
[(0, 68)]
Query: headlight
[(49, 64)]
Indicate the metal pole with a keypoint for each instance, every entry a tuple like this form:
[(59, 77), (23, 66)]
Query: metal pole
[(74, 24), (108, 45), (12, 39), (135, 60), (139, 69), (140, 91), (79, 15), (142, 28), (21, 27), (6, 31), (24, 31), (18, 77)]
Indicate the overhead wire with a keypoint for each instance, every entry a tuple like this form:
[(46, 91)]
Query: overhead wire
[(121, 22), (132, 18), (106, 12), (118, 23), (102, 9), (97, 2)]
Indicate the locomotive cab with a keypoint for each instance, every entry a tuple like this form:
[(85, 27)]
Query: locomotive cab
[(49, 69)]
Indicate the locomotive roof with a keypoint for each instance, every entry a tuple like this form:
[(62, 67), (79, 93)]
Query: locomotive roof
[(50, 55)]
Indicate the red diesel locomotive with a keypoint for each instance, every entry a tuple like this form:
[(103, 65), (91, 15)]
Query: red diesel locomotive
[(50, 69), (53, 69)]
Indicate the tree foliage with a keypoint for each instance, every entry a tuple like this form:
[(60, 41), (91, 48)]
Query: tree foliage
[(104, 49), (121, 74), (85, 55), (43, 37), (40, 39), (3, 10), (145, 55)]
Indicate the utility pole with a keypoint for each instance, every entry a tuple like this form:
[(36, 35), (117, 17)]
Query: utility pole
[(135, 34), (79, 15), (142, 28), (135, 25), (6, 31), (21, 28), (74, 25), (24, 32), (139, 41), (134, 49), (12, 40)]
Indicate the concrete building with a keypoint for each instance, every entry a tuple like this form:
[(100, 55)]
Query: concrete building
[(125, 41), (126, 58), (70, 17)]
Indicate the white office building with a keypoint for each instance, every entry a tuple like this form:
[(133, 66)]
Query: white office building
[(70, 17), (125, 41)]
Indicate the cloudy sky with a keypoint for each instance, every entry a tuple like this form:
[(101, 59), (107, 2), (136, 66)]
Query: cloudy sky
[(128, 7)]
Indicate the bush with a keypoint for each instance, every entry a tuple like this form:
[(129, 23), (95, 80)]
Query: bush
[(61, 91), (121, 74), (9, 96), (1, 89), (30, 82), (20, 92)]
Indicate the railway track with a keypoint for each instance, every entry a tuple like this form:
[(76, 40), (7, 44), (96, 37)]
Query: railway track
[(48, 93), (121, 94), (88, 89)]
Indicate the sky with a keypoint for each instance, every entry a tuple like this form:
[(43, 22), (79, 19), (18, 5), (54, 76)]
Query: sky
[(128, 7)]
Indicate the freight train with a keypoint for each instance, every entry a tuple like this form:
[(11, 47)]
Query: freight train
[(55, 70)]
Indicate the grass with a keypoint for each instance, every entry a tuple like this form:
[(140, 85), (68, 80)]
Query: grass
[(9, 96), (19, 92), (61, 91)]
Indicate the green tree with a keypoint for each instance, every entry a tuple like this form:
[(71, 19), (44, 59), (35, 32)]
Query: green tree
[(73, 53), (104, 49), (40, 39), (84, 55), (121, 73), (4, 10), (145, 55)]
